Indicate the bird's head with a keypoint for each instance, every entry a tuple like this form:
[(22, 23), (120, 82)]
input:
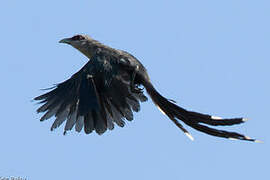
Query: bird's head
[(83, 43)]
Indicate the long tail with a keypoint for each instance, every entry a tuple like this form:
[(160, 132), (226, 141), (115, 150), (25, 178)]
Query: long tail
[(194, 119)]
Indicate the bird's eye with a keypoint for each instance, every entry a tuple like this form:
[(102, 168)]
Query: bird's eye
[(77, 38)]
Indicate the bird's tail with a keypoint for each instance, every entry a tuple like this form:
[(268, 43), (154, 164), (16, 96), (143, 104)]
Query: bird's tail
[(194, 119)]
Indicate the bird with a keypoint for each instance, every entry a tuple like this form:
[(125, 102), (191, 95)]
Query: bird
[(109, 88)]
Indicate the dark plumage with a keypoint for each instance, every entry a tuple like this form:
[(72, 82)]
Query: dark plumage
[(106, 92)]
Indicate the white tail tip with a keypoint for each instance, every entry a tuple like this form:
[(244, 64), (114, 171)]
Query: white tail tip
[(247, 137), (216, 117), (245, 119), (189, 136)]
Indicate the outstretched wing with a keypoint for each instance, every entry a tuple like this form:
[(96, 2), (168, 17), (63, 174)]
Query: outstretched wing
[(96, 97)]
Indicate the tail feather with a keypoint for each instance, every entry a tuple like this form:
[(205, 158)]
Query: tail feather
[(214, 120), (194, 119), (220, 133), (180, 126)]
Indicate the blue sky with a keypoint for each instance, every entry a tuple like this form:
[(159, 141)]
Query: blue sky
[(209, 56)]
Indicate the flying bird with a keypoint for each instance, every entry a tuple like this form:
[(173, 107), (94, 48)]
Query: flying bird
[(108, 89)]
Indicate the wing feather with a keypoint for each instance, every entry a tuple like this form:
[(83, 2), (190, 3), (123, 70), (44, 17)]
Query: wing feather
[(94, 98), (79, 123)]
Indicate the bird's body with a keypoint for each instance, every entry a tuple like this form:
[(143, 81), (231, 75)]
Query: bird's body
[(106, 91)]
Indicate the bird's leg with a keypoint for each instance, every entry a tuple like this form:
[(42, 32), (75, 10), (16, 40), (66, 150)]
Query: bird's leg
[(134, 88)]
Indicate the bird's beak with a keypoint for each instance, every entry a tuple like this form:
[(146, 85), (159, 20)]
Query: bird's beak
[(65, 40)]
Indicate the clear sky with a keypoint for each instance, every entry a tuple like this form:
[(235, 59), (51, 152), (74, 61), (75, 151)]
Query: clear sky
[(209, 56)]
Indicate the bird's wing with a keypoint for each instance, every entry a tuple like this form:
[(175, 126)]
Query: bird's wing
[(96, 97)]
